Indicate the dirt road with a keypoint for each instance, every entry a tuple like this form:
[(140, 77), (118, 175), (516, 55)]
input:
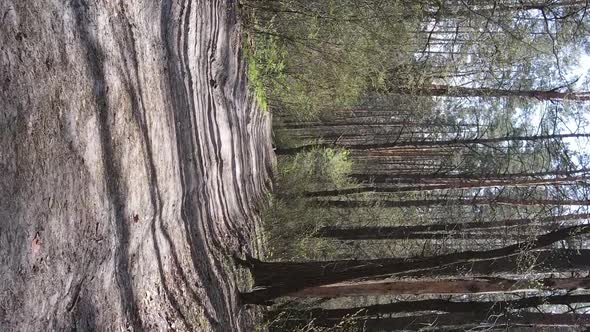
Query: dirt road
[(131, 163)]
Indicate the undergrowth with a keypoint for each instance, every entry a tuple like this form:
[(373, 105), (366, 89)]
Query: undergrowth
[(265, 60), (289, 221), (304, 64)]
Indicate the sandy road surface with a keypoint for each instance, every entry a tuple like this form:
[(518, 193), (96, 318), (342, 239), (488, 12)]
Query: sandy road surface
[(131, 163)]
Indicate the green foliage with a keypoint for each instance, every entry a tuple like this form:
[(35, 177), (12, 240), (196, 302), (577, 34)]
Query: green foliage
[(313, 170), (332, 52), (288, 225), (265, 67), (289, 221)]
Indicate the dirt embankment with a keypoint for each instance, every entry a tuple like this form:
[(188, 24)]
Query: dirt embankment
[(131, 163)]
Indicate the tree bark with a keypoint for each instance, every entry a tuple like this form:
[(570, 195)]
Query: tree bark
[(404, 232), (448, 306), (554, 260), (436, 178), (492, 236), (275, 279), (469, 321), (439, 202), (458, 91), (441, 286), (452, 142), (445, 322), (447, 186)]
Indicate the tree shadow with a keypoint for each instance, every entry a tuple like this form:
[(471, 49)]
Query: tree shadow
[(84, 315), (94, 56)]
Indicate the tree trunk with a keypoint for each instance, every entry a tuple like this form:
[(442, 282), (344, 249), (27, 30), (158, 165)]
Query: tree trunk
[(445, 322), (440, 202), (374, 121), (470, 321), (550, 260), (446, 235), (404, 232), (275, 279), (441, 286), (458, 91), (436, 178), (447, 186), (492, 236), (452, 142), (448, 306)]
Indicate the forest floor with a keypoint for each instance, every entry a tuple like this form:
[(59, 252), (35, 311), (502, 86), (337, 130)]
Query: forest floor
[(132, 164)]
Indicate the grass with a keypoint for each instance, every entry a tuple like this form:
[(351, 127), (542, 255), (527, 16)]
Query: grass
[(256, 84), (266, 65)]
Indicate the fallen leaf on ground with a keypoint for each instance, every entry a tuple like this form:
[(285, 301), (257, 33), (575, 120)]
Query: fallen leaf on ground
[(36, 244)]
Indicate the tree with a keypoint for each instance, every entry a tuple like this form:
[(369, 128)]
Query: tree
[(448, 306), (440, 143), (460, 91), (443, 177), (403, 232), (352, 203), (492, 64), (442, 286), (447, 322), (458, 184), (275, 279), (541, 261)]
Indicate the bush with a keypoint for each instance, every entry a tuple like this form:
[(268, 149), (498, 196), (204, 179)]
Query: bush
[(313, 170), (290, 222)]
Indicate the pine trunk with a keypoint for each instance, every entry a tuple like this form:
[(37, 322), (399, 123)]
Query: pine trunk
[(437, 178), (276, 279), (452, 142), (447, 322), (448, 306), (426, 231), (442, 202), (441, 286), (459, 91), (450, 185)]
